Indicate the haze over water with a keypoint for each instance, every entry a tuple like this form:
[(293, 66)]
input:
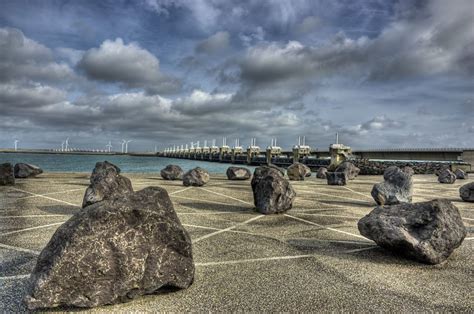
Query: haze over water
[(85, 163)]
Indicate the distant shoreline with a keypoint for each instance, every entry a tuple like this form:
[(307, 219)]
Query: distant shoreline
[(11, 151)]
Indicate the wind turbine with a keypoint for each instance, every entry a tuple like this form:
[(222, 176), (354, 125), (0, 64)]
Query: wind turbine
[(109, 146), (126, 146), (123, 145), (16, 145)]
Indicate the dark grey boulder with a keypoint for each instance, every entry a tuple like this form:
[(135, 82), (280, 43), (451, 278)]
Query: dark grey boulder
[(23, 170), (196, 177), (106, 183), (427, 232), (7, 176), (397, 187), (113, 251), (461, 174), (172, 172), (336, 178), (321, 173), (351, 171), (446, 176), (272, 193), (467, 192), (238, 173), (281, 170), (298, 171)]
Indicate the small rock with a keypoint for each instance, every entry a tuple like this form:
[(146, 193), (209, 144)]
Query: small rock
[(23, 170), (336, 178), (113, 251), (460, 174), (397, 187), (467, 192), (427, 232), (7, 176), (196, 177), (172, 172), (446, 176), (272, 193), (238, 173), (298, 171), (321, 173), (351, 171), (106, 183)]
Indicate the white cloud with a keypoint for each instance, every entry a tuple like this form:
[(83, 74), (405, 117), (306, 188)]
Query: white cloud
[(115, 61)]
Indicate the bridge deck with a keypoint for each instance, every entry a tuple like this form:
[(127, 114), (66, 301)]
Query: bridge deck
[(311, 259)]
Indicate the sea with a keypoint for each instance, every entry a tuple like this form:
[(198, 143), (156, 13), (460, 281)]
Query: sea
[(85, 163)]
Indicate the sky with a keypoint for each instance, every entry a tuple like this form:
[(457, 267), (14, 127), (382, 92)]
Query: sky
[(383, 74)]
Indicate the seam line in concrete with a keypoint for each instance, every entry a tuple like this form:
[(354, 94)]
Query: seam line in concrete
[(32, 228), (327, 228), (46, 197), (276, 258), (20, 249), (227, 229), (230, 197), (67, 191)]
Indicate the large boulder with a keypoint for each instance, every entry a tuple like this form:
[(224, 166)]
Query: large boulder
[(349, 168), (460, 174), (321, 173), (113, 251), (298, 171), (272, 193), (172, 172), (23, 170), (467, 192), (196, 177), (427, 232), (337, 178), (106, 183), (446, 176), (238, 173), (397, 187), (7, 176)]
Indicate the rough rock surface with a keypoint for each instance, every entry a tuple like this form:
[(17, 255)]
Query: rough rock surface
[(298, 171), (272, 193), (321, 173), (238, 173), (467, 192), (23, 170), (113, 251), (336, 178), (106, 183), (172, 172), (281, 170), (349, 168), (196, 177), (427, 232), (7, 176), (460, 174), (397, 187), (446, 176), (408, 170)]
